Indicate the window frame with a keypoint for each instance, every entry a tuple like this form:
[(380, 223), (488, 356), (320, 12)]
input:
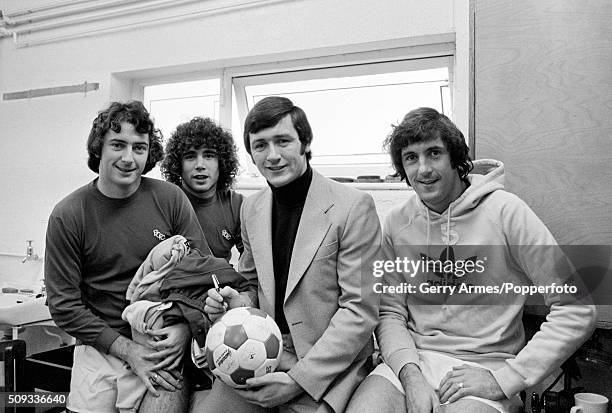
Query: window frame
[(241, 82), (354, 60), (235, 79)]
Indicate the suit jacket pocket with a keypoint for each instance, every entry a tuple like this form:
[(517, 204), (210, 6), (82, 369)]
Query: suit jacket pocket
[(326, 251)]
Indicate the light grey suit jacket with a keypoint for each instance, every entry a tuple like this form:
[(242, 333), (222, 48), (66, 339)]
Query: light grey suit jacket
[(330, 305)]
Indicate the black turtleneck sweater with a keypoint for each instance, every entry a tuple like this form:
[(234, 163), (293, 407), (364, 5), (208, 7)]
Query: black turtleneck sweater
[(287, 205)]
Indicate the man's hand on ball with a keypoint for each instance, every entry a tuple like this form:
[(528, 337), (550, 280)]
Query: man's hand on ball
[(271, 390)]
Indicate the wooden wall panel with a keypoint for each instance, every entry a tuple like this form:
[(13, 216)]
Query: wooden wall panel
[(543, 106)]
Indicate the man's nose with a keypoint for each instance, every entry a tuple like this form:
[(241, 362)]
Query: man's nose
[(424, 167), (273, 154), (128, 155), (200, 163)]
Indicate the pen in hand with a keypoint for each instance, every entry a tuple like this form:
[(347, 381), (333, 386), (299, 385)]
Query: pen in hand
[(218, 289)]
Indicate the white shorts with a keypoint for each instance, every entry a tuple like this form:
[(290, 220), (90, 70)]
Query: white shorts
[(434, 367), (102, 383)]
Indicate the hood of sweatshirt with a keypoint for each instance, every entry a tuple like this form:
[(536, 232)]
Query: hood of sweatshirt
[(487, 177)]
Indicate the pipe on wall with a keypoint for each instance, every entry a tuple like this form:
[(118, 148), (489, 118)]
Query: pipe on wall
[(125, 9), (48, 6), (30, 16), (237, 6)]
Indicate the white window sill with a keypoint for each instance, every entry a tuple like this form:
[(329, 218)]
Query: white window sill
[(254, 184)]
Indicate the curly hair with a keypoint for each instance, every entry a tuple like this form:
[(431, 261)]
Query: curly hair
[(268, 112), (201, 133), (132, 112), (423, 125)]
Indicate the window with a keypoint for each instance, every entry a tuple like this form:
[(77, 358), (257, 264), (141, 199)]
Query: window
[(350, 107), (175, 103)]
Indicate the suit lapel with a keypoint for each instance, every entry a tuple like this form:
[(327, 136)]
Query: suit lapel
[(313, 227), (260, 234)]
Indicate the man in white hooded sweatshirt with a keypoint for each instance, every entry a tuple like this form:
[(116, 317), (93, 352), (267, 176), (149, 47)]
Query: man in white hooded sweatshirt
[(450, 335)]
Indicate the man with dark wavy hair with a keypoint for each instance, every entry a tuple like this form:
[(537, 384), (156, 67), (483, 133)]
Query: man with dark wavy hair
[(97, 237), (445, 348), (201, 159)]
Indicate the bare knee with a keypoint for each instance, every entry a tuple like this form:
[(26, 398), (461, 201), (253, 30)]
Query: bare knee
[(376, 394), (167, 402)]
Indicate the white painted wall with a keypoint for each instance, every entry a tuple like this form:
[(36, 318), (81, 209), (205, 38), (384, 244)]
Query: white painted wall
[(42, 140)]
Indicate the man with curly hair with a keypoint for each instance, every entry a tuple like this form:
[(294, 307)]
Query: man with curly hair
[(97, 237), (201, 159)]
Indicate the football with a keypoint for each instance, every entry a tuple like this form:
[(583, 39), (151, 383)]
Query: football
[(244, 343)]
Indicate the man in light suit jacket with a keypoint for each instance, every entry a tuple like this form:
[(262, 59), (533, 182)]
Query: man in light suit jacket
[(310, 242)]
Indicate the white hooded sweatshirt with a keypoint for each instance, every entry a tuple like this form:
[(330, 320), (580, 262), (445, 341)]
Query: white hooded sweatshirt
[(492, 237)]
